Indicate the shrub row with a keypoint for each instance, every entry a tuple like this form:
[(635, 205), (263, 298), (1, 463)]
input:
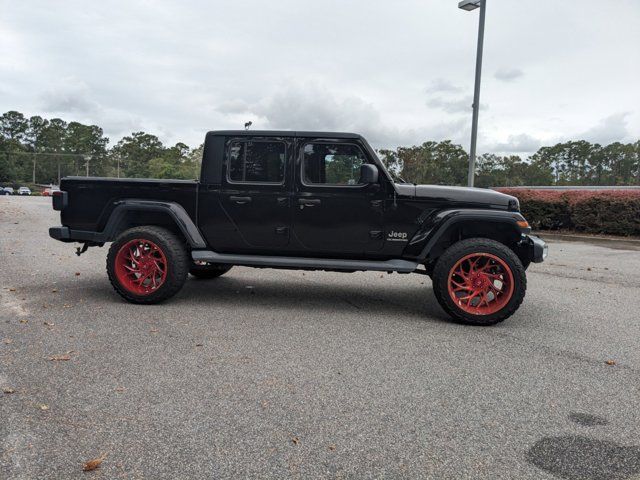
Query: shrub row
[(614, 212)]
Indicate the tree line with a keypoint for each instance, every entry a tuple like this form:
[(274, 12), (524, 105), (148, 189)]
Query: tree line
[(39, 150), (569, 163)]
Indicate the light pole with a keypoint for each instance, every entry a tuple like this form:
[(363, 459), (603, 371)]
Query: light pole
[(472, 5), (87, 159)]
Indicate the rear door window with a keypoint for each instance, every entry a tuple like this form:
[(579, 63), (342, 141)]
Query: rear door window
[(256, 162)]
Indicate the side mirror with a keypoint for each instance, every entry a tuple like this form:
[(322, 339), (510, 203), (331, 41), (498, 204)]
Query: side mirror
[(368, 174)]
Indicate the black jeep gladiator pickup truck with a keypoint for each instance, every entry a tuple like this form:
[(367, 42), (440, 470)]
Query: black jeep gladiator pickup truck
[(302, 200)]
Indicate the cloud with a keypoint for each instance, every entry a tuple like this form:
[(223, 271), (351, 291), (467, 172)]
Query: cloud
[(310, 106), (454, 105), (508, 74), (457, 105), (69, 96), (314, 107), (521, 143), (233, 106), (608, 130), (440, 85)]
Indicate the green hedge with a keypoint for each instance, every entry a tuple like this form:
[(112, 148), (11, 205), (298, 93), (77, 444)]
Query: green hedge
[(614, 212)]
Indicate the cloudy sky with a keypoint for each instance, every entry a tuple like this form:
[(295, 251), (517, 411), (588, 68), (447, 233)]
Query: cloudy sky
[(400, 72)]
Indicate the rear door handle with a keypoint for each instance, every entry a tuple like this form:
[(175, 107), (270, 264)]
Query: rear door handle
[(240, 200), (309, 202)]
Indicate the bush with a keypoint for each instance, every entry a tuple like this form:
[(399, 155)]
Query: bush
[(615, 212)]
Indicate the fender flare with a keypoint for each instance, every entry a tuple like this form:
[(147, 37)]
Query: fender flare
[(176, 211), (438, 224)]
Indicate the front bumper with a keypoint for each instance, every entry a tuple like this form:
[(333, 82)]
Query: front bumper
[(538, 248)]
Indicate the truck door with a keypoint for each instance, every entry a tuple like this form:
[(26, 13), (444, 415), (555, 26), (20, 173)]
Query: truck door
[(255, 193), (333, 210)]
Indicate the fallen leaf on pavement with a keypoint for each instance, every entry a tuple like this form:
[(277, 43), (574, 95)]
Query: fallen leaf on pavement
[(93, 464), (7, 341), (332, 447), (24, 320), (54, 290), (59, 358), (49, 324), (44, 406), (12, 289), (199, 345), (610, 362), (295, 440), (8, 390), (77, 274)]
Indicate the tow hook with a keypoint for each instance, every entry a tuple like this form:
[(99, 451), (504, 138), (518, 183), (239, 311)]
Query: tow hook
[(81, 250)]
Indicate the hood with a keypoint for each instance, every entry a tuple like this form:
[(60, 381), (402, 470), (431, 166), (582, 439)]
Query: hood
[(467, 195)]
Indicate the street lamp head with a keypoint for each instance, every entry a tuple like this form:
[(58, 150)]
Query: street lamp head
[(469, 5)]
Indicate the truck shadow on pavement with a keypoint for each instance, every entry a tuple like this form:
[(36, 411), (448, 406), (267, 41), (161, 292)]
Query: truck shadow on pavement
[(287, 293)]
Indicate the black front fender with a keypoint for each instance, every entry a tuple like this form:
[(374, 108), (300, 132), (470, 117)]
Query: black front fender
[(441, 223)]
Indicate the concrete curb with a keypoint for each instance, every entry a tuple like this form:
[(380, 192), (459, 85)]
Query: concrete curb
[(621, 242)]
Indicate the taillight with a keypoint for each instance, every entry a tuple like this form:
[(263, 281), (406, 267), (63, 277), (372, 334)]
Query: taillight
[(59, 199)]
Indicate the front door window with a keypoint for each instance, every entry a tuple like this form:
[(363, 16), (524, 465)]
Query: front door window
[(332, 164)]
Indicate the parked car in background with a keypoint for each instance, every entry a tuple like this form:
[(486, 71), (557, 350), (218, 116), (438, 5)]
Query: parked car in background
[(8, 190), (3, 191), (24, 191), (47, 192)]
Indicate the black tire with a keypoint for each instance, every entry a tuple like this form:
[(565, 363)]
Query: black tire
[(458, 251), (177, 264), (209, 270)]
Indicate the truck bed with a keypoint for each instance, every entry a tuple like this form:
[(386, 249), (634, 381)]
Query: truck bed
[(91, 199)]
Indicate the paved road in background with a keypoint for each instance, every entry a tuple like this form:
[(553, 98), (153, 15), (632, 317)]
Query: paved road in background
[(284, 374)]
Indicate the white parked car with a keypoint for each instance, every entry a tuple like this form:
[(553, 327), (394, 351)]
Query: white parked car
[(8, 190), (24, 191)]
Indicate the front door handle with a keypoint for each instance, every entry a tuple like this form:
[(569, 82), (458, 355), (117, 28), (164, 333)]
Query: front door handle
[(309, 202), (240, 200)]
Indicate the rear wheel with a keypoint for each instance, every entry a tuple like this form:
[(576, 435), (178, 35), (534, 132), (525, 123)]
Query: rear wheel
[(208, 270), (147, 264), (479, 281)]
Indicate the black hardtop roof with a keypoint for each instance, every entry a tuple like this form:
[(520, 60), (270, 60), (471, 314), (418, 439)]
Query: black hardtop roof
[(283, 133)]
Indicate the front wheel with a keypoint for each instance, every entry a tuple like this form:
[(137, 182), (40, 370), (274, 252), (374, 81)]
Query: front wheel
[(147, 264), (479, 281)]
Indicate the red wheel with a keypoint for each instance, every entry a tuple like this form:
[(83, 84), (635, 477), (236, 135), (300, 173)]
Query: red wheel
[(141, 266), (480, 283), (147, 264)]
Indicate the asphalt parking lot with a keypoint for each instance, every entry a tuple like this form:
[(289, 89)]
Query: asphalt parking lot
[(283, 374)]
